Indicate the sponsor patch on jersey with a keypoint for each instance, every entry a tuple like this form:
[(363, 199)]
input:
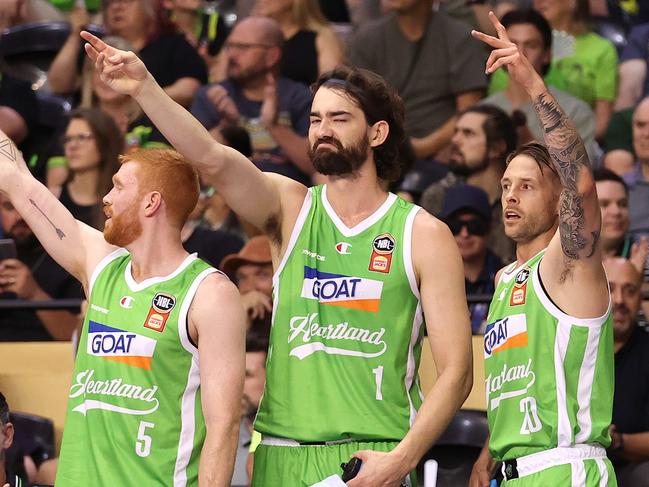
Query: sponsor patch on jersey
[(518, 295), (343, 248), (507, 333), (340, 290), (522, 276), (161, 305), (382, 248), (120, 345)]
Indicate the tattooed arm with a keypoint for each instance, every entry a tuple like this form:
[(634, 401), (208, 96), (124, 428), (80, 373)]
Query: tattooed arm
[(572, 265), (77, 247)]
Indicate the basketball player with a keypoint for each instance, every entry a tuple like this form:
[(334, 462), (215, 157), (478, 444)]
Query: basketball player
[(158, 377), (358, 274), (549, 340)]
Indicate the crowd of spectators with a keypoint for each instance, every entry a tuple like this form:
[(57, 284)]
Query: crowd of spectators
[(243, 68)]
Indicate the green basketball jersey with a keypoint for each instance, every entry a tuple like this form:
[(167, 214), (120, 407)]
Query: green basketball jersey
[(549, 376), (134, 409), (347, 328)]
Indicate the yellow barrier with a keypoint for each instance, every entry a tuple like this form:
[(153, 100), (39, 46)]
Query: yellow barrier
[(35, 378)]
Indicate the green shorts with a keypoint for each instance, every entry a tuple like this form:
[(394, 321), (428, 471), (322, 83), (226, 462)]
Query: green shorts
[(578, 473), (302, 466)]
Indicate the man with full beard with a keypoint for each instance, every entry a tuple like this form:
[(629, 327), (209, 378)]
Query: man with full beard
[(483, 136), (158, 376), (357, 274)]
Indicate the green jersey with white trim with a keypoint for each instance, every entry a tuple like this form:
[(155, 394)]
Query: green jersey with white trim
[(134, 409), (549, 376), (347, 328)]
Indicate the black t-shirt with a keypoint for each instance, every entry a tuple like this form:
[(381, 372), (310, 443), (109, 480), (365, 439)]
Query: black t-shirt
[(631, 398), (213, 245), (85, 213), (18, 94), (170, 57), (300, 58), (24, 325)]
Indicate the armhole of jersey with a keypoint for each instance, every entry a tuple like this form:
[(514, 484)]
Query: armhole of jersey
[(103, 263), (554, 310), (407, 251), (297, 228), (183, 323)]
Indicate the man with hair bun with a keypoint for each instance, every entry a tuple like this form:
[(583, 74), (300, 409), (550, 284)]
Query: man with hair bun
[(158, 377), (358, 274)]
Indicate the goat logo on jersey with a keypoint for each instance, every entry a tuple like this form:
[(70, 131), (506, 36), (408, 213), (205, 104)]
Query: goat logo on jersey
[(340, 290), (120, 345), (507, 333)]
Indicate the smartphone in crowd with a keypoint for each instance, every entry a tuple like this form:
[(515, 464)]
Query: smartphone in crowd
[(7, 249)]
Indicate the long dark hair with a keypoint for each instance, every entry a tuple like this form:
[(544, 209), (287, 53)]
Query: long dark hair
[(110, 143)]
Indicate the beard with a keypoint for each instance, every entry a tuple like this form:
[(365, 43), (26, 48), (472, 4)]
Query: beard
[(121, 230), (343, 161), (457, 165)]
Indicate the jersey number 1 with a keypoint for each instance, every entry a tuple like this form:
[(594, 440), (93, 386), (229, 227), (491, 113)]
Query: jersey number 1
[(378, 377)]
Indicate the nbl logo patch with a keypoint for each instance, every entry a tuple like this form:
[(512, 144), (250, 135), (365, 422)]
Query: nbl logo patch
[(340, 290), (118, 345), (382, 249), (161, 305)]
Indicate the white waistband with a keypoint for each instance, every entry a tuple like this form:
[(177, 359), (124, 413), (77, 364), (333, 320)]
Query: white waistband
[(529, 464), (275, 441)]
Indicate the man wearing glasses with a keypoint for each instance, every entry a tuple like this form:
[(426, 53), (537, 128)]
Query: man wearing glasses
[(273, 110), (467, 213)]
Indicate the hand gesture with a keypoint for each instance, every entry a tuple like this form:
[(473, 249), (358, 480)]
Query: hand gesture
[(270, 106), (256, 304), (379, 469), (121, 70), (506, 53), (219, 97), (17, 278), (639, 252)]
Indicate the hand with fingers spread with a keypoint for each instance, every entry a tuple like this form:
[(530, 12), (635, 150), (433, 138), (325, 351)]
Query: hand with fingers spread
[(121, 70), (506, 54)]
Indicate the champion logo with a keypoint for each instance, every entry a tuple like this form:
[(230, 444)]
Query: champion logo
[(343, 248), (126, 302), (120, 345), (340, 290), (507, 333)]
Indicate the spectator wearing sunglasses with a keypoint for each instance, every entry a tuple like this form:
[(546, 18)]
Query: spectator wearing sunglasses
[(467, 212)]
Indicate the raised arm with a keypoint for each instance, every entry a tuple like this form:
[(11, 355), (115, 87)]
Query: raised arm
[(251, 194), (441, 285), (221, 352), (77, 247)]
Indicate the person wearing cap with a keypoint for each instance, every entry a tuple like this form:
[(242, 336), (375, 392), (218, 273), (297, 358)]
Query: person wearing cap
[(467, 213), (252, 270)]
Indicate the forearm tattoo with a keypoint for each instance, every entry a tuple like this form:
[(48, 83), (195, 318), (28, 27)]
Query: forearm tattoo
[(59, 232), (570, 159), (7, 148)]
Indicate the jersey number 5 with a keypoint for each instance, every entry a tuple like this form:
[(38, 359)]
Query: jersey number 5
[(143, 443)]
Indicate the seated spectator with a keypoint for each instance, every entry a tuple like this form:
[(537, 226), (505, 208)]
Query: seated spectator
[(638, 179), (7, 477), (172, 61), (634, 83), (252, 271), (584, 64), (467, 213), (431, 60), (629, 450), (484, 136), (91, 144), (613, 197), (204, 28), (532, 34), (619, 161), (273, 110), (18, 107), (36, 277), (311, 45)]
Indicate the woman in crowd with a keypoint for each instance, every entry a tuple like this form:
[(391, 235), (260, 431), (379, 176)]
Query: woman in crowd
[(92, 144), (312, 46), (172, 61)]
